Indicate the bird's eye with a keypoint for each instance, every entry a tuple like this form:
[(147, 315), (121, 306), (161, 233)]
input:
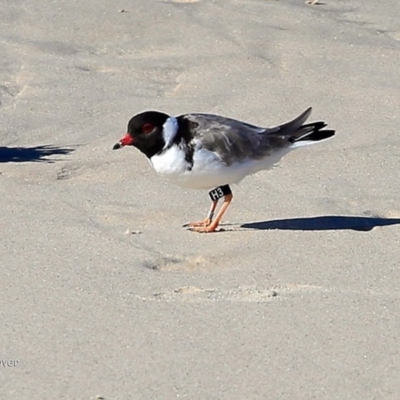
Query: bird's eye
[(147, 128)]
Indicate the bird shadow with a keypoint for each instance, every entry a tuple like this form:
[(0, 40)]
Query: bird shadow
[(32, 154), (325, 223)]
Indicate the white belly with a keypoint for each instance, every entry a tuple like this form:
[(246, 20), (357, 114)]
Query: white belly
[(208, 171)]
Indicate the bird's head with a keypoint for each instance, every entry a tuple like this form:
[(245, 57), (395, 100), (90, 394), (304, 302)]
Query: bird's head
[(146, 132)]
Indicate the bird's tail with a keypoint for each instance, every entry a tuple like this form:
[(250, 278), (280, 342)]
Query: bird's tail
[(303, 135)]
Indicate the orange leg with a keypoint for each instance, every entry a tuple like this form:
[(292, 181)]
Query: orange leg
[(205, 222), (213, 225)]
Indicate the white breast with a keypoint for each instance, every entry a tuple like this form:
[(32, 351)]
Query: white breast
[(208, 171), (171, 163)]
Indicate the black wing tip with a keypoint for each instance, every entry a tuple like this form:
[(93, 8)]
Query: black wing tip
[(329, 133), (315, 136), (313, 131)]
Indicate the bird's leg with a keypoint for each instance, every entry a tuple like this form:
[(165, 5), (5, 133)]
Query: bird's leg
[(208, 220), (216, 194)]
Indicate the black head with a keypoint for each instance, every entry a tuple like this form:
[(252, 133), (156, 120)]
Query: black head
[(145, 132)]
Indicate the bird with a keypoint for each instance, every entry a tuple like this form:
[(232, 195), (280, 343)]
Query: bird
[(211, 152)]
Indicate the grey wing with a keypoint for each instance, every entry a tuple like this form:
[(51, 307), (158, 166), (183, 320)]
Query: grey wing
[(234, 140)]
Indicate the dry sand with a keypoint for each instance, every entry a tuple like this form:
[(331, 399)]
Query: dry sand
[(297, 299)]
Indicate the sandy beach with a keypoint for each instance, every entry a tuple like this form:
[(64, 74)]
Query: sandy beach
[(105, 296)]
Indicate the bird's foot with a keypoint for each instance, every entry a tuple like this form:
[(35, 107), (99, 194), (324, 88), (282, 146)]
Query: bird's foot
[(199, 224), (205, 228)]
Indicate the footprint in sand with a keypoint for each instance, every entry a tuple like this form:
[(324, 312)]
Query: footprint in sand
[(250, 294), (67, 172), (173, 264), (195, 294)]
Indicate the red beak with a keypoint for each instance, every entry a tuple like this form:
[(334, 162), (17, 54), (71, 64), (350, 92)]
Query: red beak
[(126, 140)]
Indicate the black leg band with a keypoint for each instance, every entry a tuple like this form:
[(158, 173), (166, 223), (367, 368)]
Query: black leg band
[(219, 192)]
